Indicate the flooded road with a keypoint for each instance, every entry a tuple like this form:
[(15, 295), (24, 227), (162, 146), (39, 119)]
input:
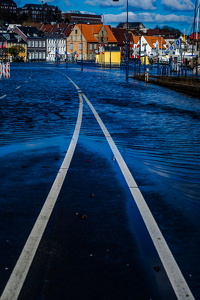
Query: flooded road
[(109, 254)]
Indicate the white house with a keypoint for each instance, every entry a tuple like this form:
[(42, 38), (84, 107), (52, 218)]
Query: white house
[(56, 47)]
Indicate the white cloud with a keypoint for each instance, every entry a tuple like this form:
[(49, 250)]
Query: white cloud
[(147, 18), (144, 4), (87, 12), (179, 4)]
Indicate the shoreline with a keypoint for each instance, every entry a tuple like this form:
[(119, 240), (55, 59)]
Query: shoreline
[(189, 86)]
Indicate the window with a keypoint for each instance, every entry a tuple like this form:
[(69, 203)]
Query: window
[(71, 46), (71, 37), (81, 46), (95, 46), (29, 43), (36, 43), (32, 44), (40, 43), (90, 46), (43, 43), (76, 31)]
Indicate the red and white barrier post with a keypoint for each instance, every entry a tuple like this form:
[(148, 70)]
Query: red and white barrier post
[(6, 70)]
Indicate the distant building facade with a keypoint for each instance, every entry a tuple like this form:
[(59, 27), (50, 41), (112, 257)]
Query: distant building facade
[(131, 25), (8, 10), (39, 13), (75, 18)]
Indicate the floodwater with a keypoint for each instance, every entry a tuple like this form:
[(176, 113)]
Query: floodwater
[(109, 255)]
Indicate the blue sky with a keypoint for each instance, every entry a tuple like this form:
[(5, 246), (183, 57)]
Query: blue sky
[(176, 13)]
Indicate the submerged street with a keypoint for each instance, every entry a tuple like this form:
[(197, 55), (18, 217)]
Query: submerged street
[(96, 244)]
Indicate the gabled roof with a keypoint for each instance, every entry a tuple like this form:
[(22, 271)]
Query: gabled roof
[(120, 35), (88, 31), (195, 36), (53, 28), (136, 39), (110, 36), (67, 30), (31, 31), (152, 40), (12, 37)]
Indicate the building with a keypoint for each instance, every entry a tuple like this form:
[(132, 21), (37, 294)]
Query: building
[(14, 47), (111, 56), (36, 42), (56, 47), (120, 35), (77, 17), (131, 25), (8, 10), (39, 13), (150, 47), (88, 40)]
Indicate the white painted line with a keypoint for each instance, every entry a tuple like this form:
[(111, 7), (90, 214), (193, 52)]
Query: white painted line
[(18, 276), (18, 87), (175, 276), (3, 96)]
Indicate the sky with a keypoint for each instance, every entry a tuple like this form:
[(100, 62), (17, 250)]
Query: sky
[(174, 13)]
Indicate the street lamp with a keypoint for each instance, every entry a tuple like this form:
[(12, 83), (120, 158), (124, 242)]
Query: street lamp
[(126, 53)]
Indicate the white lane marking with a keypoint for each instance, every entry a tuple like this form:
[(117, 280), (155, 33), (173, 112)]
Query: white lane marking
[(175, 276), (18, 87), (3, 96), (18, 276)]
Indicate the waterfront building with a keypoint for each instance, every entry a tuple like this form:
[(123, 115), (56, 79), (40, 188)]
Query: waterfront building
[(86, 41), (15, 48), (36, 42), (56, 47)]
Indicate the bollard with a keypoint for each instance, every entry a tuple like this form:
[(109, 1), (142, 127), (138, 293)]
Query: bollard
[(8, 70), (146, 76)]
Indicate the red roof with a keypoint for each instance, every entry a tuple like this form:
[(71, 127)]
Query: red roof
[(195, 36)]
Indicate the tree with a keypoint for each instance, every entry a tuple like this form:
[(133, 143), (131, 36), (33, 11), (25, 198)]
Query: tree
[(15, 50), (169, 30)]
